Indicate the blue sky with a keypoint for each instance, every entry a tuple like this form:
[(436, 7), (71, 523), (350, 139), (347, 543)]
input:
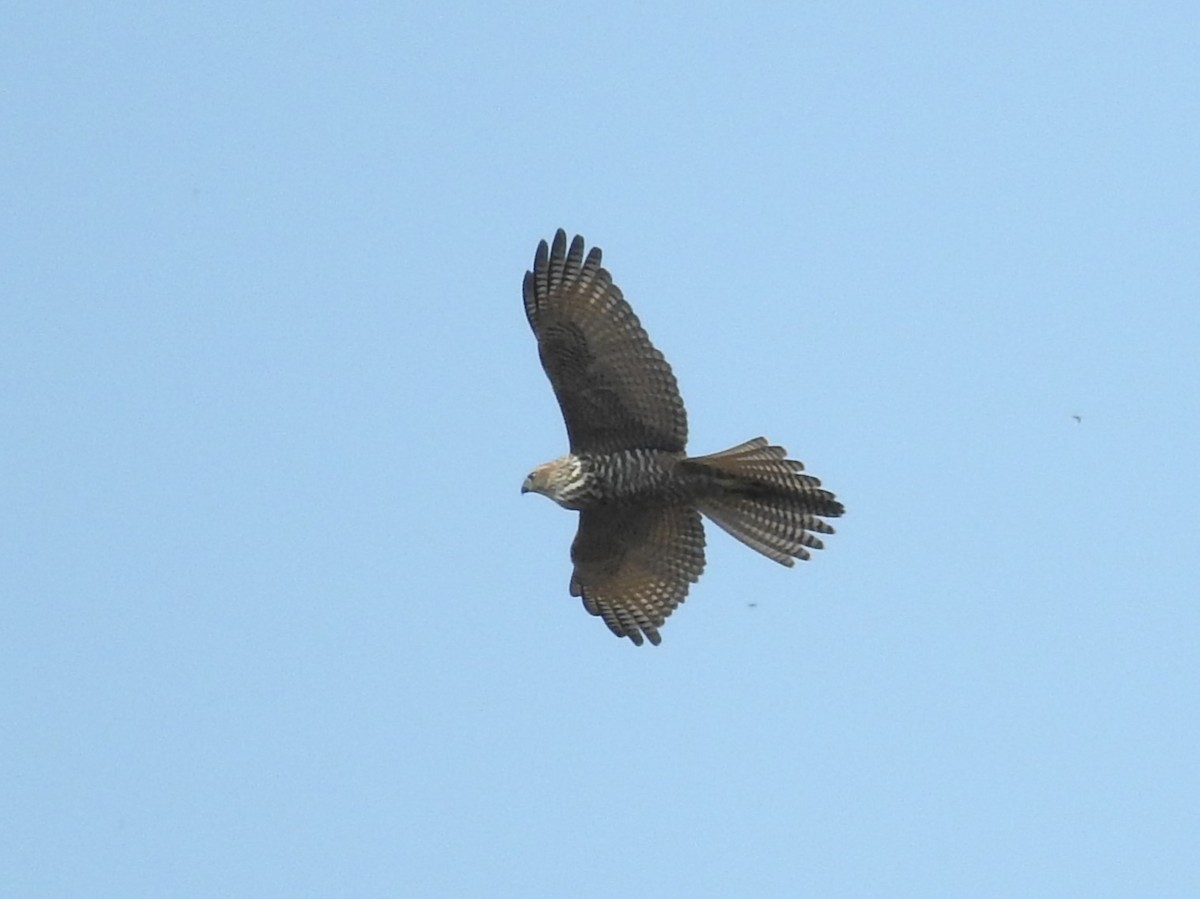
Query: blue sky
[(276, 620)]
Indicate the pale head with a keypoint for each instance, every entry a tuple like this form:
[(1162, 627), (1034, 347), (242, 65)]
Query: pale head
[(561, 479)]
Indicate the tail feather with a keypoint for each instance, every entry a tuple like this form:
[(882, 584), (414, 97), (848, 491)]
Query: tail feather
[(762, 498)]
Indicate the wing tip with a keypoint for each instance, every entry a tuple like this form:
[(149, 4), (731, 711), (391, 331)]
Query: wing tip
[(617, 620)]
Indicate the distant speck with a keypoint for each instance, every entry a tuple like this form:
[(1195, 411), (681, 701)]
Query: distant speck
[(1078, 418), (751, 605)]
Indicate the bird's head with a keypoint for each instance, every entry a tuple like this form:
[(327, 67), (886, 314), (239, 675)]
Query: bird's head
[(561, 480)]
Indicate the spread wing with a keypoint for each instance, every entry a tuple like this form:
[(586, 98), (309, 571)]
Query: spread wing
[(615, 389), (633, 565)]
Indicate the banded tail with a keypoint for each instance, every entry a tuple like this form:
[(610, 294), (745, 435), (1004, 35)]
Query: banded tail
[(764, 499)]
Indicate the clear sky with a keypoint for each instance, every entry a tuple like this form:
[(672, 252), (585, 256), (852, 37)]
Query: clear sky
[(275, 618)]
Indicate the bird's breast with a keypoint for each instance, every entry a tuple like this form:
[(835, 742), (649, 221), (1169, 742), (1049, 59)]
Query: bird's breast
[(634, 475)]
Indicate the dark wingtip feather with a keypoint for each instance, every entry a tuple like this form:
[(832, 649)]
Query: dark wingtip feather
[(575, 256)]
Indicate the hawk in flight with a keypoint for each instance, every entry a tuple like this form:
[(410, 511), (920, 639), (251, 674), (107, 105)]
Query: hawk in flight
[(640, 542)]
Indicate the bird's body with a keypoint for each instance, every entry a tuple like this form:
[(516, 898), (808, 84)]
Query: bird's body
[(585, 480), (640, 542)]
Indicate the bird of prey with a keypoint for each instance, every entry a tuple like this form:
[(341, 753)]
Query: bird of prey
[(640, 542)]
